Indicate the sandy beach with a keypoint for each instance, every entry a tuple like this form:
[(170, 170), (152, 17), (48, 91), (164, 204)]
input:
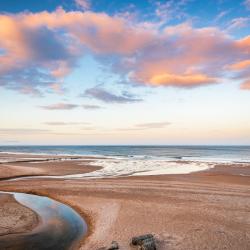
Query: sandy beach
[(15, 218), (21, 165), (124, 125), (202, 210)]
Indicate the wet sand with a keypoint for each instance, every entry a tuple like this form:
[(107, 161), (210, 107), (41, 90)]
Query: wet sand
[(202, 210), (26, 165)]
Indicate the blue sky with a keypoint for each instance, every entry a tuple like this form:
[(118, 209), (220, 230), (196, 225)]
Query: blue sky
[(124, 72)]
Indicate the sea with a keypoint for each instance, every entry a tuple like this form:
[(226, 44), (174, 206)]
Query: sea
[(144, 160)]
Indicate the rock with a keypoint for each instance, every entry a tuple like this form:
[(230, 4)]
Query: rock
[(114, 246), (139, 240), (148, 244)]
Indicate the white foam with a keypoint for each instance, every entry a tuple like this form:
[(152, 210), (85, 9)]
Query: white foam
[(127, 167)]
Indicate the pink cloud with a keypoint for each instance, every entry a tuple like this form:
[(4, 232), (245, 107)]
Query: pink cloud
[(246, 85), (184, 56), (240, 65), (42, 48), (98, 31), (181, 80), (60, 106)]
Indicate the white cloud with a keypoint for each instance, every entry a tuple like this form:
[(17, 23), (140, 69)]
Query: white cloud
[(83, 4)]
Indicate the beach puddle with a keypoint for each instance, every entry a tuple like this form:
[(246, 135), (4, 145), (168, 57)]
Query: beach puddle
[(60, 228)]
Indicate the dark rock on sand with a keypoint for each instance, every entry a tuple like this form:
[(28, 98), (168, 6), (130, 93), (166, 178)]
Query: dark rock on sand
[(148, 244), (139, 239), (145, 242)]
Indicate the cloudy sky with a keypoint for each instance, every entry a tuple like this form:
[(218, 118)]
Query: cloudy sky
[(124, 72)]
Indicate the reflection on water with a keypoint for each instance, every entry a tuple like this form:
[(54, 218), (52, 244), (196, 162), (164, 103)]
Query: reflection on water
[(61, 227)]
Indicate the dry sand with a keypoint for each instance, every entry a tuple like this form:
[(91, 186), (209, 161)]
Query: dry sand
[(15, 218), (205, 210)]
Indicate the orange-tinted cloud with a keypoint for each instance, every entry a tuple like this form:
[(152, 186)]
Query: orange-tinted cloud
[(245, 85), (185, 57), (240, 65), (244, 44), (34, 56), (98, 31), (42, 48), (39, 49), (181, 80)]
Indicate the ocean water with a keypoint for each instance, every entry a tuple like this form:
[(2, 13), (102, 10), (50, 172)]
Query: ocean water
[(206, 153), (145, 160)]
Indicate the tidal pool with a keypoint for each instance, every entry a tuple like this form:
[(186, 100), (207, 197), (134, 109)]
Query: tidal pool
[(60, 228)]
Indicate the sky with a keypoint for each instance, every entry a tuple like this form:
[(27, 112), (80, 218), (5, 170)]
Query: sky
[(90, 72)]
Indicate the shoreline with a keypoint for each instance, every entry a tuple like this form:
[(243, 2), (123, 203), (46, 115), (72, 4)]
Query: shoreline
[(44, 157), (68, 167), (54, 166)]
